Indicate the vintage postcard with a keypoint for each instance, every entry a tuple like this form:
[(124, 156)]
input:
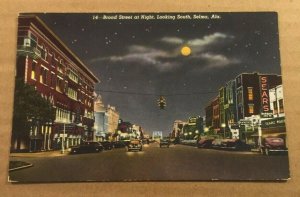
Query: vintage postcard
[(148, 97)]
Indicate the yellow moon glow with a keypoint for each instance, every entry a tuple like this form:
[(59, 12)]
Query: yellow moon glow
[(186, 51)]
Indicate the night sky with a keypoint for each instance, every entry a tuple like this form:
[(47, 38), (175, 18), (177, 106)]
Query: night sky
[(138, 60)]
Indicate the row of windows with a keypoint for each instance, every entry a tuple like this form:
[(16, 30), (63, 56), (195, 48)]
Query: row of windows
[(57, 83), (31, 41), (62, 115), (72, 93)]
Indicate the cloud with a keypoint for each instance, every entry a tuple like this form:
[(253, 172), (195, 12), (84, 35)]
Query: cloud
[(214, 61), (172, 40), (165, 60)]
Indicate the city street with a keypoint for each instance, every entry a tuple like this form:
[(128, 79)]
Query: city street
[(178, 162)]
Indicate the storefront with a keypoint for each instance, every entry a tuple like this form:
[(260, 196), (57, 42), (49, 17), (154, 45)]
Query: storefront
[(274, 127)]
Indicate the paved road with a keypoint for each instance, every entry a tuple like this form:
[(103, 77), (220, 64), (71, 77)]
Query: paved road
[(154, 164)]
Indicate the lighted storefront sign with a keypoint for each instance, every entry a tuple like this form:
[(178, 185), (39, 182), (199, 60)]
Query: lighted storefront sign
[(274, 122), (264, 91)]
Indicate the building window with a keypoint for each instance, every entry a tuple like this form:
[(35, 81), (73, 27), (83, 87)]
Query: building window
[(250, 93), (53, 61), (43, 53), (281, 110), (43, 75), (251, 108), (73, 76), (52, 80), (60, 67), (275, 107), (33, 40), (33, 68), (72, 93), (59, 85)]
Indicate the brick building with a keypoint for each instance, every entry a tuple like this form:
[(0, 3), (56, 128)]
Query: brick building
[(45, 62)]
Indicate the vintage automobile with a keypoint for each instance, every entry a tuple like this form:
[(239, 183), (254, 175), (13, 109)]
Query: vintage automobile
[(235, 145), (164, 142), (120, 144), (107, 145), (135, 145), (273, 145), (205, 143), (87, 147)]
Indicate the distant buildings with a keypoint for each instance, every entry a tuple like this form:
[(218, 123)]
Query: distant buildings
[(106, 120), (178, 128), (45, 62), (101, 120)]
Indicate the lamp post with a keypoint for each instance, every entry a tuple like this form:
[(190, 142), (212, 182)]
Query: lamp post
[(223, 125), (63, 139), (185, 134)]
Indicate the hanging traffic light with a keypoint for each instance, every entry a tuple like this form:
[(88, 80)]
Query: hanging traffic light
[(161, 102)]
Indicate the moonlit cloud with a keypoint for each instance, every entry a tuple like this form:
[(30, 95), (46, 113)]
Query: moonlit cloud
[(165, 60), (217, 61), (172, 40)]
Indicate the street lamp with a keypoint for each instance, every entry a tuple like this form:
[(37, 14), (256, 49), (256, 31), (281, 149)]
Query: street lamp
[(223, 125), (63, 139), (206, 129), (185, 134)]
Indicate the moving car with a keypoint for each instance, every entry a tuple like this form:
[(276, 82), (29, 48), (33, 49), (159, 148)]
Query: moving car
[(135, 145), (164, 142), (272, 145), (87, 147)]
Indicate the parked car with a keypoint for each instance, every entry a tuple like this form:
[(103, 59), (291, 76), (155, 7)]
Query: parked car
[(205, 143), (107, 145), (234, 144), (87, 147), (216, 143), (119, 144), (135, 145), (164, 142), (272, 145)]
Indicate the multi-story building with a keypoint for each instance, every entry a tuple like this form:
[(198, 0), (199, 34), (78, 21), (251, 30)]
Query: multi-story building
[(222, 95), (216, 115), (276, 101), (113, 119), (45, 62), (275, 126), (101, 120), (230, 104), (252, 93), (208, 115)]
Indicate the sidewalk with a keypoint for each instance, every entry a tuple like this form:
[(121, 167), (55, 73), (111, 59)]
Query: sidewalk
[(51, 153)]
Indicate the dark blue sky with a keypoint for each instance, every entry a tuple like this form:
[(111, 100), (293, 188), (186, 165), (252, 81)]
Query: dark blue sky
[(138, 60)]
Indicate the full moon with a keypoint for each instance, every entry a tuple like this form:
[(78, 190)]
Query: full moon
[(186, 51)]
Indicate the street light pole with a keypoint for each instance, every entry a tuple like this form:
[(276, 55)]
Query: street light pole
[(223, 126), (63, 140)]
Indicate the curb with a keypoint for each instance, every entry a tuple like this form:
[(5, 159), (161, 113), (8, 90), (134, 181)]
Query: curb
[(21, 167)]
